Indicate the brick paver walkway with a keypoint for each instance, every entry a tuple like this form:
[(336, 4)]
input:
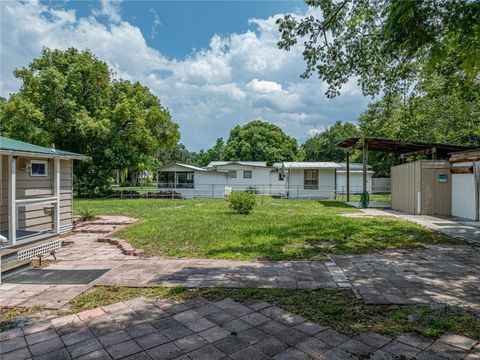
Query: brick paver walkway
[(200, 329), (83, 252), (436, 274), (86, 253)]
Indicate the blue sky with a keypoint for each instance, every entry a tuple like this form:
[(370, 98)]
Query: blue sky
[(214, 64), (176, 28)]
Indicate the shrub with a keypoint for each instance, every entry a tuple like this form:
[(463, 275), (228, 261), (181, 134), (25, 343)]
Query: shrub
[(86, 213), (241, 202)]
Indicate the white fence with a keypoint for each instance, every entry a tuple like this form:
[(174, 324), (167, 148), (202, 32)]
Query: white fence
[(217, 191)]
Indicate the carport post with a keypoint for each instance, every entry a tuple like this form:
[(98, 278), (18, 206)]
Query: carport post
[(348, 176), (365, 159)]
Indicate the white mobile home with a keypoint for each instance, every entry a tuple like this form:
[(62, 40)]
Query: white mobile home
[(300, 180), (356, 178), (310, 180), (218, 178)]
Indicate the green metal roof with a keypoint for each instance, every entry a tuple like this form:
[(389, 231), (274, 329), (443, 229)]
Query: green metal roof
[(11, 145)]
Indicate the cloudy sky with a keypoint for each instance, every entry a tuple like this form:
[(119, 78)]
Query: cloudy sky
[(213, 64)]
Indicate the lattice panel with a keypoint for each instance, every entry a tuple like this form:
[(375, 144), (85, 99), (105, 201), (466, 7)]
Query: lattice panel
[(39, 250)]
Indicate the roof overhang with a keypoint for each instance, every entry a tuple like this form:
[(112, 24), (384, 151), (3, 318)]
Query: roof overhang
[(239, 163), (310, 165), (185, 166), (405, 148), (42, 155)]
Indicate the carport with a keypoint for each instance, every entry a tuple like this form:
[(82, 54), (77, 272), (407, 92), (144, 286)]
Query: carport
[(404, 149)]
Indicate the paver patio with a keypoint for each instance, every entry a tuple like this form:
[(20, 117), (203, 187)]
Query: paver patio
[(433, 274), (194, 329)]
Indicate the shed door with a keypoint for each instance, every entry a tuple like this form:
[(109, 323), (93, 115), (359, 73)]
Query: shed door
[(436, 192)]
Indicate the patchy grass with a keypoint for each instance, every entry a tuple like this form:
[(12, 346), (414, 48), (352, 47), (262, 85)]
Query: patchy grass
[(276, 230), (10, 317), (375, 197), (338, 309)]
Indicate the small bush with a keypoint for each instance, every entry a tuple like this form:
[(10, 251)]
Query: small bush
[(241, 202), (86, 213)]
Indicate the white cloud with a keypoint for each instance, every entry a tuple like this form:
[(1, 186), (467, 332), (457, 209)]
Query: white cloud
[(156, 23), (110, 9), (238, 78)]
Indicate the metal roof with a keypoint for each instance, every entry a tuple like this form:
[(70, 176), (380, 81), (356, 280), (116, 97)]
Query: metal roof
[(186, 166), (246, 163), (353, 166), (191, 167), (14, 146), (399, 146), (310, 165)]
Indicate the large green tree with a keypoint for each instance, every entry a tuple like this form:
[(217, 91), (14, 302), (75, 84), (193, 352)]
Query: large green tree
[(384, 43), (322, 146), (70, 99), (178, 154), (439, 110), (213, 154), (261, 141)]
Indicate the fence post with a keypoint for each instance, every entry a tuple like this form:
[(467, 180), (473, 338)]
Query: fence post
[(213, 191), (297, 192), (173, 196)]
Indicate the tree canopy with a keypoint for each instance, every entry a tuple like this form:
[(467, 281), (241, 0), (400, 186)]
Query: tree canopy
[(213, 154), (261, 141), (178, 154), (68, 98), (322, 146), (384, 43)]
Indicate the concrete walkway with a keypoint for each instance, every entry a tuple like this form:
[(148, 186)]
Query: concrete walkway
[(200, 329)]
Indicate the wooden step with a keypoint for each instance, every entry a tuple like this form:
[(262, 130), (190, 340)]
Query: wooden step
[(13, 265)]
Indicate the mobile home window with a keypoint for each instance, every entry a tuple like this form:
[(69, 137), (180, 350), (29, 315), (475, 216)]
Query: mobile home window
[(281, 176), (247, 174), (311, 180), (38, 168), (184, 179), (166, 179), (232, 174)]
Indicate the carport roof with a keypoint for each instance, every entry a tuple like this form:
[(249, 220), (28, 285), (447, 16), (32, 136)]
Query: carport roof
[(399, 146)]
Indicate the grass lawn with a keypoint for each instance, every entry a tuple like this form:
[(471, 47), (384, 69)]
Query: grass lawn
[(136, 188), (375, 197), (276, 230)]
